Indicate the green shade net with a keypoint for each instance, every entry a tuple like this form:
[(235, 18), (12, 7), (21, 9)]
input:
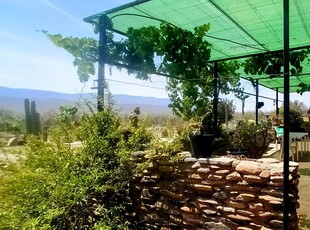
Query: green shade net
[(238, 28)]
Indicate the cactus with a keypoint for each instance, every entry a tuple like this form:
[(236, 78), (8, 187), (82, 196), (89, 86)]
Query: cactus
[(33, 124), (33, 114), (28, 117)]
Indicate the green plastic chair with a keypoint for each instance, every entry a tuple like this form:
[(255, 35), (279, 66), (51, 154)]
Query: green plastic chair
[(279, 132)]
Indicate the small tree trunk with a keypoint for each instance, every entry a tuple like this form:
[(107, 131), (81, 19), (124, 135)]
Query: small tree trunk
[(226, 115), (45, 133), (243, 107), (38, 122)]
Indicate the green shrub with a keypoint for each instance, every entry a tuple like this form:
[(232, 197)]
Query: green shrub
[(57, 187), (251, 138), (137, 137)]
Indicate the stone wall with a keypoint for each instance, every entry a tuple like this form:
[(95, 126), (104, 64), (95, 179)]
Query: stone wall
[(213, 193)]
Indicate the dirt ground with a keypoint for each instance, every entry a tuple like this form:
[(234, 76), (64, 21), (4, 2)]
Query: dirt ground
[(304, 194), (304, 191)]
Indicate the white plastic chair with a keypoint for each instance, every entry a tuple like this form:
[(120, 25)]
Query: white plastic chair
[(293, 146)]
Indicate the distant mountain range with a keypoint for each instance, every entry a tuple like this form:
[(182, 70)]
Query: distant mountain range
[(13, 99)]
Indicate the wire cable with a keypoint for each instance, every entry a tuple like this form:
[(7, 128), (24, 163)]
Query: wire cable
[(136, 84)]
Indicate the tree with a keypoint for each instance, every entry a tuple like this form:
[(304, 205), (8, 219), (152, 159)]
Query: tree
[(241, 96), (296, 110), (226, 110), (298, 106), (181, 54)]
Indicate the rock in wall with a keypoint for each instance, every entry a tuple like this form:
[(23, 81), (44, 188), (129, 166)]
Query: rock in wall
[(213, 193)]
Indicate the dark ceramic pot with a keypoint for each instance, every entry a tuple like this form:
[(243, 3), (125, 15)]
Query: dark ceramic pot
[(201, 145)]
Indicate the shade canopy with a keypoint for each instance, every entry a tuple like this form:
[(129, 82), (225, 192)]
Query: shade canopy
[(238, 28)]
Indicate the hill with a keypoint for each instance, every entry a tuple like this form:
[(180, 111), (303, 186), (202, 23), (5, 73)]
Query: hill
[(13, 99)]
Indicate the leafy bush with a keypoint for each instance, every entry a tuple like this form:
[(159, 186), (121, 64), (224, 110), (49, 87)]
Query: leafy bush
[(252, 138), (11, 122), (56, 187), (136, 134)]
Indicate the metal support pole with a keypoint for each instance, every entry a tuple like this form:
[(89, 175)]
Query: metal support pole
[(277, 102), (256, 99), (286, 64), (216, 97), (101, 61)]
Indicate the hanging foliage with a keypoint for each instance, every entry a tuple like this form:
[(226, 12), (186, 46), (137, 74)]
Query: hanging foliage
[(193, 98), (84, 50), (303, 88), (181, 54), (272, 64)]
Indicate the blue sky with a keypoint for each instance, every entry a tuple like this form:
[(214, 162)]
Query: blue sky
[(29, 60)]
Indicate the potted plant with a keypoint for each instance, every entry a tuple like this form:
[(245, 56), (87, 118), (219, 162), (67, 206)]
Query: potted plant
[(202, 136), (250, 139)]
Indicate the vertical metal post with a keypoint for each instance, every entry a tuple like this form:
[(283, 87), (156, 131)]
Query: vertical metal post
[(216, 97), (256, 100), (286, 183), (277, 102), (101, 61)]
